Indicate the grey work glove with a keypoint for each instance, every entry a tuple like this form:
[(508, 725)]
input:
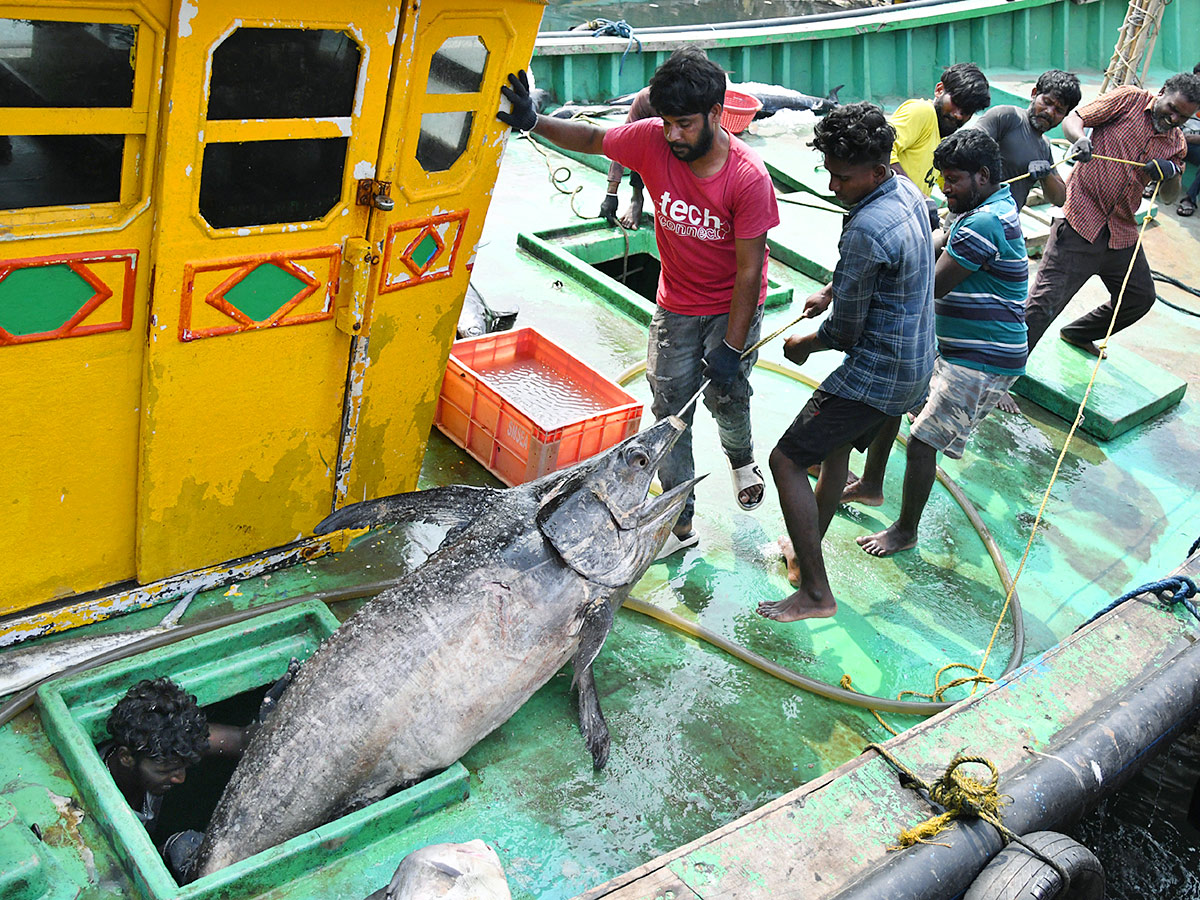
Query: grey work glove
[(1081, 150), (1040, 168), (523, 117)]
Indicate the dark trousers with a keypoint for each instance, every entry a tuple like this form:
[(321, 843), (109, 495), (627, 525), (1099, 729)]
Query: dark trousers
[(1067, 263)]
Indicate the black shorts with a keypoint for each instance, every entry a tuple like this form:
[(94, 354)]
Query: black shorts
[(828, 423)]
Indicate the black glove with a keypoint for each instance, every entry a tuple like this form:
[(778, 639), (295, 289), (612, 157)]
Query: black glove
[(1040, 168), (271, 698), (608, 209), (935, 220), (721, 365), (523, 117), (1160, 170), (1081, 150)]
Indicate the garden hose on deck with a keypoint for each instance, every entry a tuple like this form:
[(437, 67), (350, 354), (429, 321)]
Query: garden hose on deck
[(824, 689)]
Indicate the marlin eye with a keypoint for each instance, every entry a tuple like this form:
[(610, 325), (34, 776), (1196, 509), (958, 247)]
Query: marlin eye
[(638, 459)]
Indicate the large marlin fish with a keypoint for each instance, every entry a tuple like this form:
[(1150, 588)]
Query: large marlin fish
[(524, 579)]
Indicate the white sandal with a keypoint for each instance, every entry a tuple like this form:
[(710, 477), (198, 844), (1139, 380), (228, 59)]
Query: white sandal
[(748, 476), (675, 543)]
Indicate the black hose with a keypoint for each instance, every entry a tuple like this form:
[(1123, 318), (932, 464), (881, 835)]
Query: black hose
[(1055, 788), (1169, 279)]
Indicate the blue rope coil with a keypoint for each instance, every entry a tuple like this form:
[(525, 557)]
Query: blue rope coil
[(619, 28), (1170, 591)]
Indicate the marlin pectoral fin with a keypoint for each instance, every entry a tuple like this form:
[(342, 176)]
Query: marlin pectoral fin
[(456, 506), (596, 626), (591, 719)]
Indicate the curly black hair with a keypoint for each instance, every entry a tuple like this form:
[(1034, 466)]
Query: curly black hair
[(855, 133), (969, 150), (686, 84), (967, 87), (1184, 83), (1063, 85), (159, 719)]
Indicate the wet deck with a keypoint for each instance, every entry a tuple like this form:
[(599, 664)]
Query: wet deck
[(701, 740)]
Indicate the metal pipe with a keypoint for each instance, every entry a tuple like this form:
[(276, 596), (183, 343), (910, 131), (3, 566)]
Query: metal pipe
[(1055, 788), (782, 22)]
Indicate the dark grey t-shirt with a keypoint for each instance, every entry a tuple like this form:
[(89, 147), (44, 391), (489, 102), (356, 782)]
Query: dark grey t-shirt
[(1019, 145)]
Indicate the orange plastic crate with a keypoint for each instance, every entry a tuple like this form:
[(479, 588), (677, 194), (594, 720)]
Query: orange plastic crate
[(496, 424)]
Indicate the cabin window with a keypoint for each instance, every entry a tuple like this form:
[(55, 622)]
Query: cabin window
[(456, 68), (46, 69), (283, 73), (296, 88)]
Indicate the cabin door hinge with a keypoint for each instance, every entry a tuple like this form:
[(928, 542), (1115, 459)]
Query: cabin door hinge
[(376, 194)]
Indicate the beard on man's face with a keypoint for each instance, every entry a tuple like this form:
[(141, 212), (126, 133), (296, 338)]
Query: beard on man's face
[(692, 152)]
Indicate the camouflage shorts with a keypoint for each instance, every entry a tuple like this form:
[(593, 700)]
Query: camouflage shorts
[(959, 398)]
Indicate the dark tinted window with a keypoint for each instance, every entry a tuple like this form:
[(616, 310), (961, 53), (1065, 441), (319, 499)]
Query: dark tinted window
[(443, 139), (59, 169), (283, 73), (54, 64), (269, 182)]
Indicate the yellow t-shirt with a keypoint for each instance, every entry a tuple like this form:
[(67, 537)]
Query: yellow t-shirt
[(917, 136)]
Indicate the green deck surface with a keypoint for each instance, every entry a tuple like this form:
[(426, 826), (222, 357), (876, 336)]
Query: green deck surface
[(699, 739), (1128, 389)]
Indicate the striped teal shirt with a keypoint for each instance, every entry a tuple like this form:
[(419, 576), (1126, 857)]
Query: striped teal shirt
[(981, 323)]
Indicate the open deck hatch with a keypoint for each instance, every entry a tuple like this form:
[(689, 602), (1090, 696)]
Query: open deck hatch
[(594, 253), (215, 667)]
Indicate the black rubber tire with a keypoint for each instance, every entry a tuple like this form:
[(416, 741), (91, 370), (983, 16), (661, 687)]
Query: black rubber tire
[(1015, 874)]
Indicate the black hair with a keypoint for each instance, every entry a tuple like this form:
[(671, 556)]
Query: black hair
[(1063, 85), (1186, 84), (967, 87), (969, 150), (1196, 69), (855, 133), (159, 719), (686, 84)]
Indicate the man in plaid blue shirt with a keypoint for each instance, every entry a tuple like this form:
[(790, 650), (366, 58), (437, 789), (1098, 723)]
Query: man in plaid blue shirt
[(881, 318)]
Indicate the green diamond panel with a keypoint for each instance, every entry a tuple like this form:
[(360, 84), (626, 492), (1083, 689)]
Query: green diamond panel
[(425, 251), (41, 298), (264, 291)]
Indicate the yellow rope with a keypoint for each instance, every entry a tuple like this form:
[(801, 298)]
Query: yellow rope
[(1070, 434), (959, 794)]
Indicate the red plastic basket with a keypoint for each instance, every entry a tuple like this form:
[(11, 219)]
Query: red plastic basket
[(509, 440), (739, 110)]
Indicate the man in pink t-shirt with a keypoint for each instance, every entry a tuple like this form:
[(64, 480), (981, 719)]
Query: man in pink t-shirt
[(714, 203)]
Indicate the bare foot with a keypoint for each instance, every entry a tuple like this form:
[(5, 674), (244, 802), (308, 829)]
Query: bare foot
[(1086, 346), (797, 606), (789, 557), (885, 543), (1008, 404), (858, 492)]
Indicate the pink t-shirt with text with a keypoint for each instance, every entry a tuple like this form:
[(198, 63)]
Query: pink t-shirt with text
[(697, 219)]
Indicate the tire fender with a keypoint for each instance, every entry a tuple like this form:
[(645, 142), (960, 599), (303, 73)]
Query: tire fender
[(1015, 874)]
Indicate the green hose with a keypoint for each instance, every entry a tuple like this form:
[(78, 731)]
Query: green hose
[(824, 689)]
